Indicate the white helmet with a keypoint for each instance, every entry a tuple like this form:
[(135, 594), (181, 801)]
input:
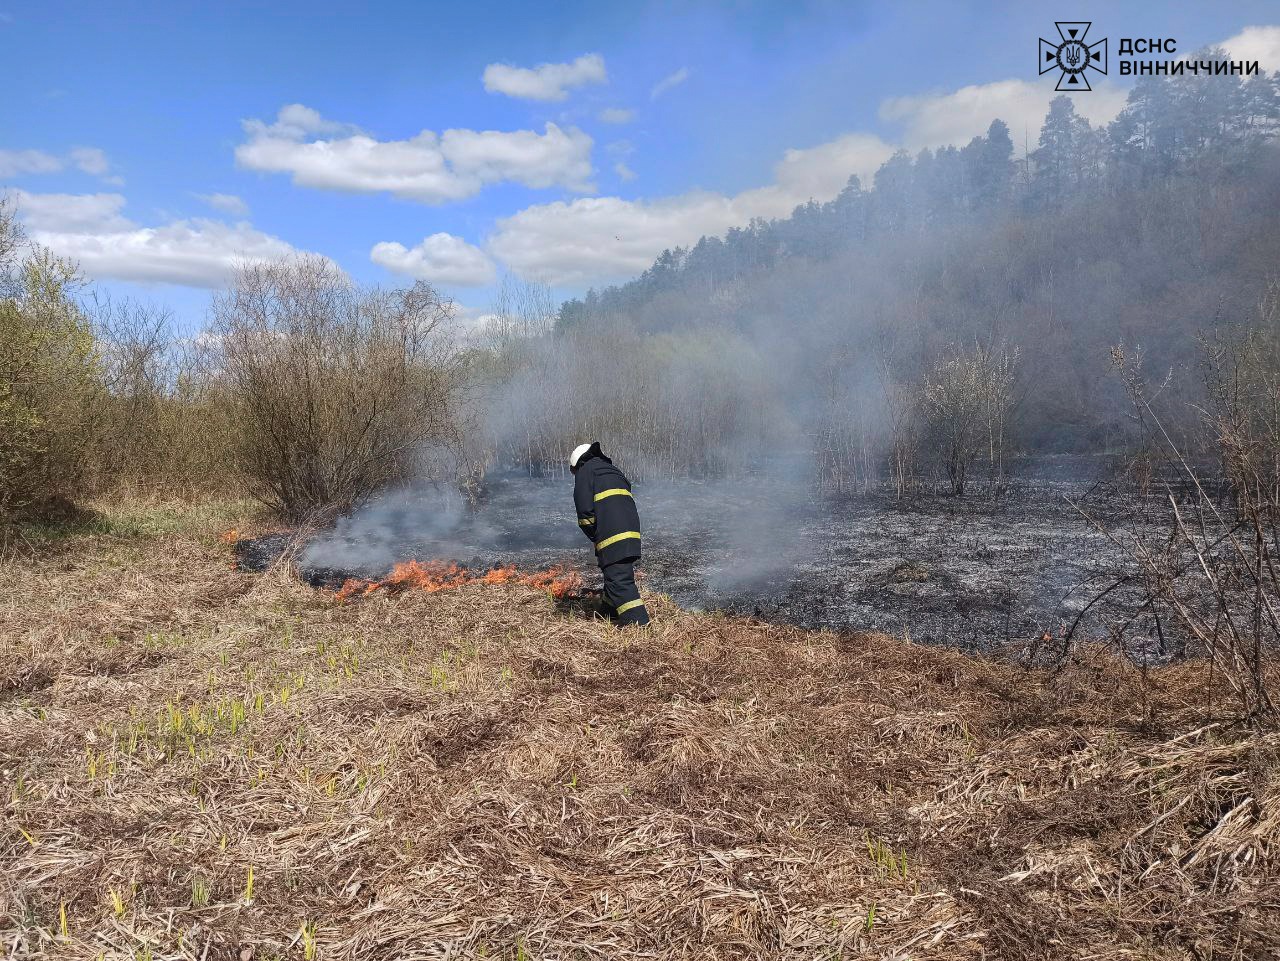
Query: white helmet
[(578, 453)]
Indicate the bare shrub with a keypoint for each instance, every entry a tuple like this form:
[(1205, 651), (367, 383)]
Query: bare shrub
[(133, 342), (999, 383), (1241, 371), (1206, 583), (903, 414), (967, 400), (337, 390), (163, 424), (666, 405)]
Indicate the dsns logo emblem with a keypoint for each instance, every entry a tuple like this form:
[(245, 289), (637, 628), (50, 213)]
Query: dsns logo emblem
[(1073, 56)]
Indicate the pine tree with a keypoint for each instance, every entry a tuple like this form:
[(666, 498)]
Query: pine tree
[(1069, 155)]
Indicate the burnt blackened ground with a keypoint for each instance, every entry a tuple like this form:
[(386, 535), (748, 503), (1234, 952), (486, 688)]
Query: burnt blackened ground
[(975, 572), (971, 573)]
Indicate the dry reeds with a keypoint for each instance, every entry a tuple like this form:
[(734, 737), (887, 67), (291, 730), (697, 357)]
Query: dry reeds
[(201, 763)]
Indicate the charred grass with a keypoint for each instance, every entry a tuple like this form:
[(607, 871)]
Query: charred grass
[(203, 763)]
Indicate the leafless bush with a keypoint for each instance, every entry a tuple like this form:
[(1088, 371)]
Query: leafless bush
[(338, 390), (521, 312), (1149, 452), (1241, 371), (847, 424), (967, 401), (904, 433), (669, 405), (133, 342), (1206, 583), (163, 422)]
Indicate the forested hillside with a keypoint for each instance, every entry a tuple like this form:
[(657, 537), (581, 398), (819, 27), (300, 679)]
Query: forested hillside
[(853, 330)]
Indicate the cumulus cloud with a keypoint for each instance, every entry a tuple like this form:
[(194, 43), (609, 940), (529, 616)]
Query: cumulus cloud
[(90, 160), (595, 240), (441, 259), (1256, 43), (821, 172), (617, 115), (227, 203), (71, 213), (428, 168), (16, 162), (189, 253), (295, 121), (90, 229), (671, 80), (546, 81), (598, 240), (606, 239), (473, 320), (623, 171), (932, 120)]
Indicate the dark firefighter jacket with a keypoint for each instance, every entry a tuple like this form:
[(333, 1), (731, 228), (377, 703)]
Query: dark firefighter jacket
[(606, 510)]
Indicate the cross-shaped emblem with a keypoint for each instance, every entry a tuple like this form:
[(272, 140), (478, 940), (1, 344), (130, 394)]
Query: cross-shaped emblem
[(1073, 56)]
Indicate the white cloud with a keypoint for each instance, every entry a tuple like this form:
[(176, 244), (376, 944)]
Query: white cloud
[(1256, 43), (71, 213), (546, 81), (227, 203), (89, 229), (617, 115), (91, 160), (16, 162), (595, 240), (673, 79), (932, 120), (605, 239), (428, 168), (188, 253), (473, 320), (821, 172), (623, 171), (441, 258), (295, 122)]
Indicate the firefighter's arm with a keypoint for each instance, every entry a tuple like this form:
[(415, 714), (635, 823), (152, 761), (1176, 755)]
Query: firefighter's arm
[(584, 501)]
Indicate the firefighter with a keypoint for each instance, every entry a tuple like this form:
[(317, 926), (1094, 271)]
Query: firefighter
[(607, 515)]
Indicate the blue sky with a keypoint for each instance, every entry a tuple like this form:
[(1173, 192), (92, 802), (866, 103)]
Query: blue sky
[(159, 143)]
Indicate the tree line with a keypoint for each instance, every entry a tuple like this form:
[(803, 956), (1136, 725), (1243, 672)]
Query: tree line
[(1146, 232), (912, 333)]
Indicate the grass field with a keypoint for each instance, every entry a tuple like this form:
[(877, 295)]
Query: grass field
[(207, 764)]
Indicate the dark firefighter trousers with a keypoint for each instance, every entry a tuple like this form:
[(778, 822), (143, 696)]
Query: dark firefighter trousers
[(621, 593)]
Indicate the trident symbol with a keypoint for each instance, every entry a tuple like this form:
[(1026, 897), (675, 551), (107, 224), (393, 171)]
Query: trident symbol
[(1073, 56)]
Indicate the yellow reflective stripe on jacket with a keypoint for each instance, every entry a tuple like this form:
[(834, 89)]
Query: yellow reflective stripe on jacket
[(586, 521), (612, 492), (623, 608), (601, 545)]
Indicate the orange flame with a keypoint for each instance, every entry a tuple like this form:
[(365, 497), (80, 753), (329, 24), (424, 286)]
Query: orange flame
[(229, 537), (433, 576)]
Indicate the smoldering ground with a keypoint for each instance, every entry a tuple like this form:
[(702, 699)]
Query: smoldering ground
[(976, 572), (744, 534)]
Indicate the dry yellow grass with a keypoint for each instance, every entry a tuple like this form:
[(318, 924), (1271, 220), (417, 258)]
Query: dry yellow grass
[(206, 764)]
